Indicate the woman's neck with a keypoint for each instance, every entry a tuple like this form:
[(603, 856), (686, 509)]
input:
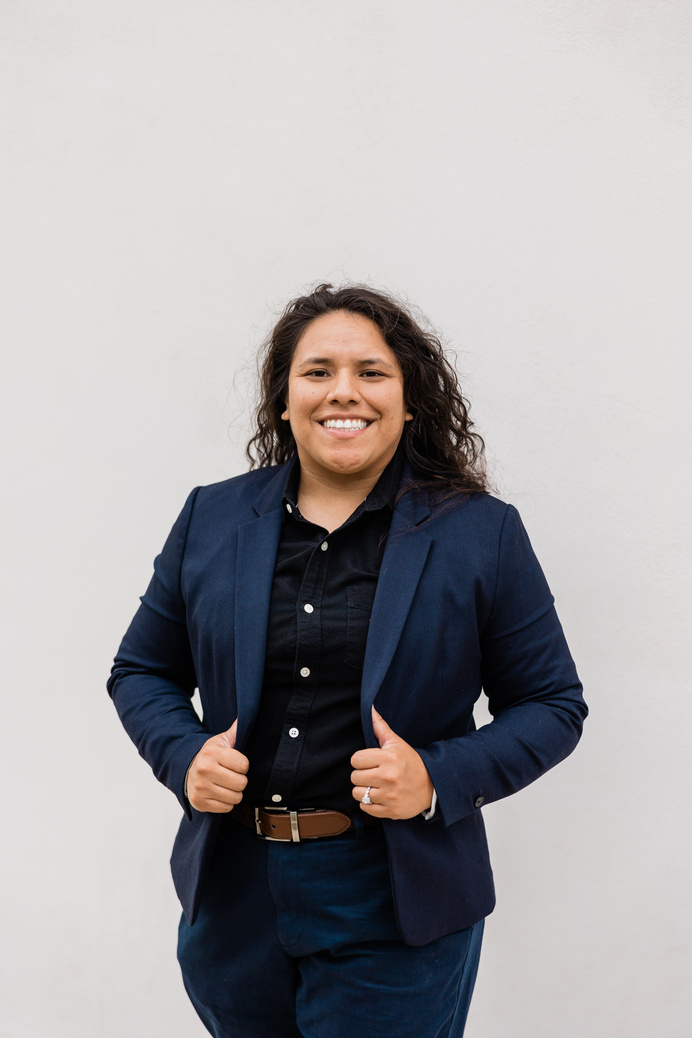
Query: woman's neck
[(329, 502)]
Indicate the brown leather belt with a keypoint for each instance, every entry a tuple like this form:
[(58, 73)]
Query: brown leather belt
[(294, 826)]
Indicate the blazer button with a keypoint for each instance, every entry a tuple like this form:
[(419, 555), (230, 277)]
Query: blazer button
[(479, 801)]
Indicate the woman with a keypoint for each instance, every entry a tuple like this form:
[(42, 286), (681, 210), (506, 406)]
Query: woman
[(340, 608)]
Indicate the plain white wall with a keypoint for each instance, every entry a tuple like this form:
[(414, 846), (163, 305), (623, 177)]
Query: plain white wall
[(172, 171)]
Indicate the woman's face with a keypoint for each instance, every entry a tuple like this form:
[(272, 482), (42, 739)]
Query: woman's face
[(345, 398)]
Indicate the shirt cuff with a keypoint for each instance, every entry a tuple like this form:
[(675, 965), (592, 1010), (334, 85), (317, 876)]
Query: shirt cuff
[(430, 813), (187, 775)]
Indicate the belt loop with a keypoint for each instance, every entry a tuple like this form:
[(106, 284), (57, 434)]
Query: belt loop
[(295, 831), (258, 823)]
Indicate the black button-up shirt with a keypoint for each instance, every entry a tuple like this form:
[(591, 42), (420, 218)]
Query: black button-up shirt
[(308, 724)]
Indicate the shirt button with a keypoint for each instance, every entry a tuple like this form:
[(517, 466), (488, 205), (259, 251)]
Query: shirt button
[(479, 801), (277, 798), (305, 672), (288, 508), (308, 608), (324, 545), (293, 732)]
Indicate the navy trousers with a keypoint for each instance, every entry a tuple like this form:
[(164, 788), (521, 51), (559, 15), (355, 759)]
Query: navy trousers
[(300, 941)]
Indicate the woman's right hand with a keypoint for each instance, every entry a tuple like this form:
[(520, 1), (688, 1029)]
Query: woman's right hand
[(218, 774)]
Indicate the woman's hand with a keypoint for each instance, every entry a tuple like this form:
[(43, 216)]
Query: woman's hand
[(217, 776), (400, 786)]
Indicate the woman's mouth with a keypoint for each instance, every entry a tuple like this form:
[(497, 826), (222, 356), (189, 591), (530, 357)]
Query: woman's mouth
[(350, 424)]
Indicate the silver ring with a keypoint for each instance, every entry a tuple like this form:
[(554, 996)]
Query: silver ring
[(366, 799)]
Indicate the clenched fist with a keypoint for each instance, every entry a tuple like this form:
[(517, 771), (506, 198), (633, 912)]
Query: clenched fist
[(218, 774), (400, 786)]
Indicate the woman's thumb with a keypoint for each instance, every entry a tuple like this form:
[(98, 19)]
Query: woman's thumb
[(229, 736), (380, 727)]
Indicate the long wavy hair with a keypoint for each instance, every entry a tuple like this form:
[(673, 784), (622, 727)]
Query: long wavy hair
[(439, 444)]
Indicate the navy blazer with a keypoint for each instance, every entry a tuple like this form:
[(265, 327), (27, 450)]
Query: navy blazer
[(461, 605)]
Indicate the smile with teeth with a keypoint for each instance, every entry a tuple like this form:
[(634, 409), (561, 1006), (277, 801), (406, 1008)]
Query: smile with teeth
[(345, 423)]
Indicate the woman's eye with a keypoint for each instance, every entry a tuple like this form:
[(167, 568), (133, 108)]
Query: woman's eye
[(372, 374), (319, 372)]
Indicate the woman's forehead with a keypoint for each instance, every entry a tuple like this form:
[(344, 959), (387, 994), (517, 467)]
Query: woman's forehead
[(342, 336)]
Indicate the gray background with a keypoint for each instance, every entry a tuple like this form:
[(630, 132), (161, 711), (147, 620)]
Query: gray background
[(171, 172)]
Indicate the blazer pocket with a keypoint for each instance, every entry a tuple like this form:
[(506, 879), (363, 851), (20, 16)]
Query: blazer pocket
[(359, 601)]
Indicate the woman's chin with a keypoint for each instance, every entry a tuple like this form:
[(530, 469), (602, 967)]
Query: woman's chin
[(344, 469)]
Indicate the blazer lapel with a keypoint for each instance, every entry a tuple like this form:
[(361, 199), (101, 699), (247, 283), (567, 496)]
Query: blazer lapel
[(258, 542), (402, 564)]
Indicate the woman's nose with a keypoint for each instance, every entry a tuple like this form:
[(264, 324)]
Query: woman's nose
[(345, 386)]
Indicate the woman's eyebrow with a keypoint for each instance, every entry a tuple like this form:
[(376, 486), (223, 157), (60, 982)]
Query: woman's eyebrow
[(314, 360), (375, 362)]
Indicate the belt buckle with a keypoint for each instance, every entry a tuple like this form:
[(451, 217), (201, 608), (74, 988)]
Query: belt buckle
[(295, 831)]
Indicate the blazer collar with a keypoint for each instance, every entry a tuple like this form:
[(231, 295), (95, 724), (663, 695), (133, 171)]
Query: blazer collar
[(413, 506), (272, 494)]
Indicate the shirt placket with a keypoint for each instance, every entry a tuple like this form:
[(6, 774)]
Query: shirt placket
[(305, 676)]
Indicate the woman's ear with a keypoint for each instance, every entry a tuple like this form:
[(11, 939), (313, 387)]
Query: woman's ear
[(285, 417), (408, 417)]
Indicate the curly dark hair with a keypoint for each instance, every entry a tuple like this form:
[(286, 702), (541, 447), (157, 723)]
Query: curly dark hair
[(439, 444)]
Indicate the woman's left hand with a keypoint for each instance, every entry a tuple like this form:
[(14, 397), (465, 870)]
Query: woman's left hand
[(400, 786)]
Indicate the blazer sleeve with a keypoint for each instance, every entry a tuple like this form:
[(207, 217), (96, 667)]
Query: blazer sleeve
[(531, 683), (153, 676)]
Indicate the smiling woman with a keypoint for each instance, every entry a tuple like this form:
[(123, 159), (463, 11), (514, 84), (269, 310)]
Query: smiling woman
[(345, 404), (340, 609), (440, 441)]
